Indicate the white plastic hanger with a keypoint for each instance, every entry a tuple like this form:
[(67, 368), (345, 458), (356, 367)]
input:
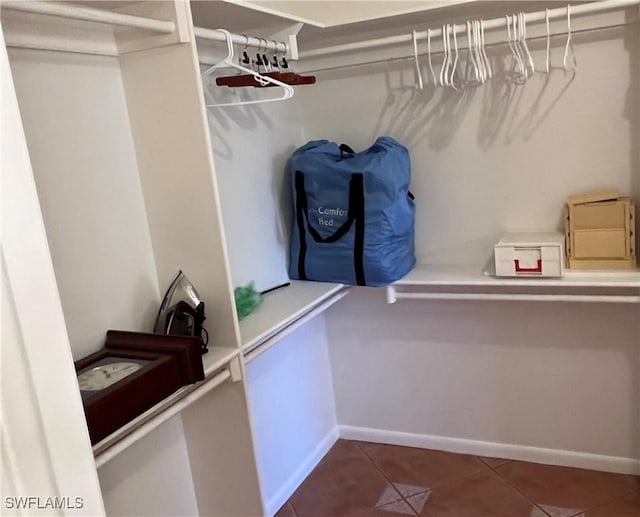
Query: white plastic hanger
[(433, 74), (509, 42), (521, 69), (478, 51), (516, 44), (484, 52), (471, 54), (569, 44), (455, 59), (518, 31), (444, 71), (546, 17), (419, 86), (446, 44), (523, 39), (262, 79)]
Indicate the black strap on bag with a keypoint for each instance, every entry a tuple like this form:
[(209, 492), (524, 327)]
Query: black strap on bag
[(345, 149), (355, 213)]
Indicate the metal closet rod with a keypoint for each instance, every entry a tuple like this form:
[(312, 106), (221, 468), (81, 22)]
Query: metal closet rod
[(495, 23), (241, 39)]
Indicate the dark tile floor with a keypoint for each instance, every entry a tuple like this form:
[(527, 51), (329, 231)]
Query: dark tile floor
[(359, 479)]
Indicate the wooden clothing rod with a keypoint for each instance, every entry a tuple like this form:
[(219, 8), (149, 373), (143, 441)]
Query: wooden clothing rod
[(495, 23)]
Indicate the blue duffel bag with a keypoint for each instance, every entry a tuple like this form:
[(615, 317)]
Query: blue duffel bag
[(354, 216)]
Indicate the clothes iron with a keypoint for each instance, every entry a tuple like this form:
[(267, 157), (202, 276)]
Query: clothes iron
[(182, 312)]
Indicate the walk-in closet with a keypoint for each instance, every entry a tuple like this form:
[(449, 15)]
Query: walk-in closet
[(124, 162)]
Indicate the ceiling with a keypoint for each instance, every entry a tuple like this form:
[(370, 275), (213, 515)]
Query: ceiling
[(335, 13), (249, 17)]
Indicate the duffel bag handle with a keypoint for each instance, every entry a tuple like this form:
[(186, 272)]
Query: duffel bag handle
[(344, 148), (356, 196)]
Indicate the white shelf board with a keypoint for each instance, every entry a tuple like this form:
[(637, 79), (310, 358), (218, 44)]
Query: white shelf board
[(283, 307), (449, 282), (461, 276), (213, 360)]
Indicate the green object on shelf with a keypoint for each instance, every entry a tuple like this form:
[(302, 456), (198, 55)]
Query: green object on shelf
[(247, 299)]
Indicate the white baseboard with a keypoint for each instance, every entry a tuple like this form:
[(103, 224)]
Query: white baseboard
[(300, 474), (561, 457)]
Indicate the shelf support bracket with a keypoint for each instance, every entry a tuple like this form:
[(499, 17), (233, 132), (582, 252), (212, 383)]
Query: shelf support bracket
[(290, 35), (391, 294), (236, 369)]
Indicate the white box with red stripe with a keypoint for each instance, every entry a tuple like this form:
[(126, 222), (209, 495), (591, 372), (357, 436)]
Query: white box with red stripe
[(535, 254)]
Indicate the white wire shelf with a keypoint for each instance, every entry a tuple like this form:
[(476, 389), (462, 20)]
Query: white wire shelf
[(284, 307), (469, 283)]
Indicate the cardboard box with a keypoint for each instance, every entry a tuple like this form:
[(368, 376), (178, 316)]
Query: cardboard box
[(600, 231), (573, 263), (533, 254)]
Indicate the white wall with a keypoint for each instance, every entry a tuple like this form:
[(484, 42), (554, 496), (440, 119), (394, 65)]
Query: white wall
[(551, 375), (289, 386), (75, 118), (251, 145), (556, 376), (293, 410), (152, 477), (43, 454), (501, 157)]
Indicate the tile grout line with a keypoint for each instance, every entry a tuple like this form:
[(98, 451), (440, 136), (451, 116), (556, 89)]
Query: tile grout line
[(462, 478), (293, 508), (402, 498), (465, 476), (577, 514), (361, 447), (525, 496), (489, 467), (514, 487), (609, 501), (492, 467)]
